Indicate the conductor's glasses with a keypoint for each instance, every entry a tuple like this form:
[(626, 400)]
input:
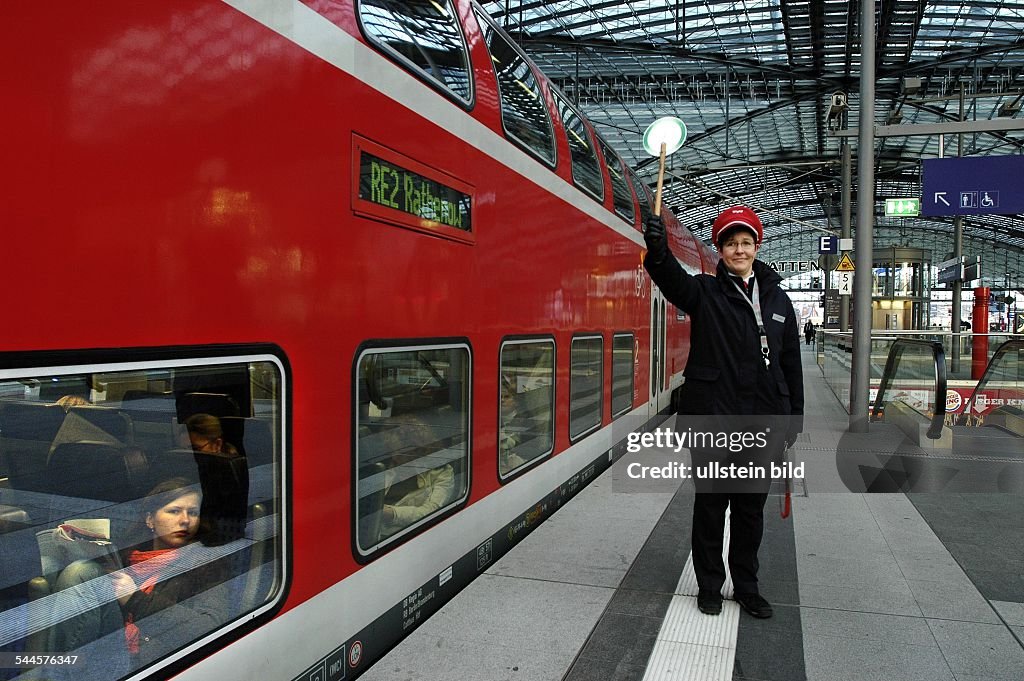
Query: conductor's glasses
[(740, 244)]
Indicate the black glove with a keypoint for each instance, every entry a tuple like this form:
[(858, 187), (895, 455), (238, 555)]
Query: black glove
[(654, 235)]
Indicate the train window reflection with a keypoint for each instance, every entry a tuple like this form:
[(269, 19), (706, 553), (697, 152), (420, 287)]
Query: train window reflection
[(144, 505), (586, 381), (412, 447), (523, 110), (424, 34), (621, 195), (622, 373), (527, 403), (643, 196), (586, 171)]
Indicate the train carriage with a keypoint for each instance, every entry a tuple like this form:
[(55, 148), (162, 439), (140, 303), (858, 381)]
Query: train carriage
[(395, 264)]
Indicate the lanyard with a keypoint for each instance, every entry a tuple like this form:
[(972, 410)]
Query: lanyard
[(755, 304)]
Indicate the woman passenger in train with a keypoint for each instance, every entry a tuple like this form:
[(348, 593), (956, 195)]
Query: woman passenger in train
[(68, 401), (409, 498), (155, 586), (206, 435), (511, 429), (162, 595), (225, 476), (413, 488)]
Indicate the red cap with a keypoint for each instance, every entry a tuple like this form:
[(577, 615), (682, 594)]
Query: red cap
[(736, 216)]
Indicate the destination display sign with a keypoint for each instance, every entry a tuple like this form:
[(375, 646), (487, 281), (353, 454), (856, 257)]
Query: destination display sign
[(988, 185), (387, 184)]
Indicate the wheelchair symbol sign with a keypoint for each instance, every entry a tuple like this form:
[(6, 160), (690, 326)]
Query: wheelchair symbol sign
[(989, 199)]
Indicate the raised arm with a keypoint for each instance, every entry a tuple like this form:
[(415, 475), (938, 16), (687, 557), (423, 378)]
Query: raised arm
[(680, 288)]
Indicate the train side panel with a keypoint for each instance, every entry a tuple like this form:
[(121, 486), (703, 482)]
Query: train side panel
[(185, 180)]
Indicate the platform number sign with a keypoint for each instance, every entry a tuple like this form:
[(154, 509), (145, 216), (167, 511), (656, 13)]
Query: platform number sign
[(844, 283), (844, 275)]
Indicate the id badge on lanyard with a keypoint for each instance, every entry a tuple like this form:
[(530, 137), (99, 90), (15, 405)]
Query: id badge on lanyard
[(765, 352), (755, 304)]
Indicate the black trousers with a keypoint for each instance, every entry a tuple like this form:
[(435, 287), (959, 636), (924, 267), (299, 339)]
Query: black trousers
[(746, 528)]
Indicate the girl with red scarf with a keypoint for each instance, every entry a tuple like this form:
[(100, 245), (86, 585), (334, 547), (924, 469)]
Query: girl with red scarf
[(156, 582), (165, 594)]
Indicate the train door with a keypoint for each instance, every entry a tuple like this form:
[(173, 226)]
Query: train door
[(659, 397)]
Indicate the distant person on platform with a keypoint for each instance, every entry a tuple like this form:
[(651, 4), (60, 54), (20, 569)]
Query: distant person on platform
[(809, 332), (744, 360)]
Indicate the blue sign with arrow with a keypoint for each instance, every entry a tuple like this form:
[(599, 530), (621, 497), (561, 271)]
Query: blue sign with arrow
[(988, 185)]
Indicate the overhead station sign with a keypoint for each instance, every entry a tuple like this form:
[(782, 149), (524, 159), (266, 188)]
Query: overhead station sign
[(989, 185)]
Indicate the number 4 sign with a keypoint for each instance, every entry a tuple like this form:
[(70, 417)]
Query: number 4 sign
[(845, 283)]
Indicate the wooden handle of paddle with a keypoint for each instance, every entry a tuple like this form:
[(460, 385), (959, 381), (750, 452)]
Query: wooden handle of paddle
[(661, 180)]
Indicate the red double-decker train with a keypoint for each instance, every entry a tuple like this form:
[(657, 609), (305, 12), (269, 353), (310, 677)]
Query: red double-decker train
[(352, 276)]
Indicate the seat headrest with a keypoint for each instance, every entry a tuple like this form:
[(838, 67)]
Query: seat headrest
[(96, 470)]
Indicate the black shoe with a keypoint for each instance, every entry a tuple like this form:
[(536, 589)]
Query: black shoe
[(755, 605), (709, 603)]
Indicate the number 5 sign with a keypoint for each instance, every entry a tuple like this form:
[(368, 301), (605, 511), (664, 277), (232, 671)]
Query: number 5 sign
[(845, 283)]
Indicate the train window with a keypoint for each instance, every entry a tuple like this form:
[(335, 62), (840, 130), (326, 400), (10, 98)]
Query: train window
[(523, 111), (412, 445), (586, 382), (142, 512), (643, 196), (586, 171), (527, 403), (621, 196), (423, 34), (622, 373)]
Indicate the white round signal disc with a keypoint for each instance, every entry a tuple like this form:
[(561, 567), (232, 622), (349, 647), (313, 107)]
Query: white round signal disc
[(668, 130)]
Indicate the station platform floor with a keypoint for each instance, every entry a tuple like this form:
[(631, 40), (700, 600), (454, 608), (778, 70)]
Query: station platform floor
[(865, 587)]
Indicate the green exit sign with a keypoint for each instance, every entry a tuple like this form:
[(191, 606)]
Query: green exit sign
[(903, 207)]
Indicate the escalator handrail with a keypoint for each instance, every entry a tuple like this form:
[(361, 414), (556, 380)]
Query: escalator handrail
[(1007, 346), (892, 362)]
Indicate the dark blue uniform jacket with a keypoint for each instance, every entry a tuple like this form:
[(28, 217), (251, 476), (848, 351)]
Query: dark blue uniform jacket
[(725, 373)]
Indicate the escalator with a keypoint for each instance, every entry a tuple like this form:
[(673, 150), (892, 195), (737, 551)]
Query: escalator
[(914, 446), (913, 387), (998, 398)]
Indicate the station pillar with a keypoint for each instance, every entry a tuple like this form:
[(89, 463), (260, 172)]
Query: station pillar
[(979, 321)]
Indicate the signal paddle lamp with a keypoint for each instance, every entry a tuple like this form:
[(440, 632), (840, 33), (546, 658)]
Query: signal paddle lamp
[(663, 137)]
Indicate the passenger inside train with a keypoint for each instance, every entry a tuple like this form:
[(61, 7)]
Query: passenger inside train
[(513, 429), (413, 425), (90, 533), (158, 596), (526, 388), (225, 479), (413, 488), (206, 434)]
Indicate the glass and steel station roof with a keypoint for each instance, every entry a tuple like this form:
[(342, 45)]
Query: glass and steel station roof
[(753, 81)]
